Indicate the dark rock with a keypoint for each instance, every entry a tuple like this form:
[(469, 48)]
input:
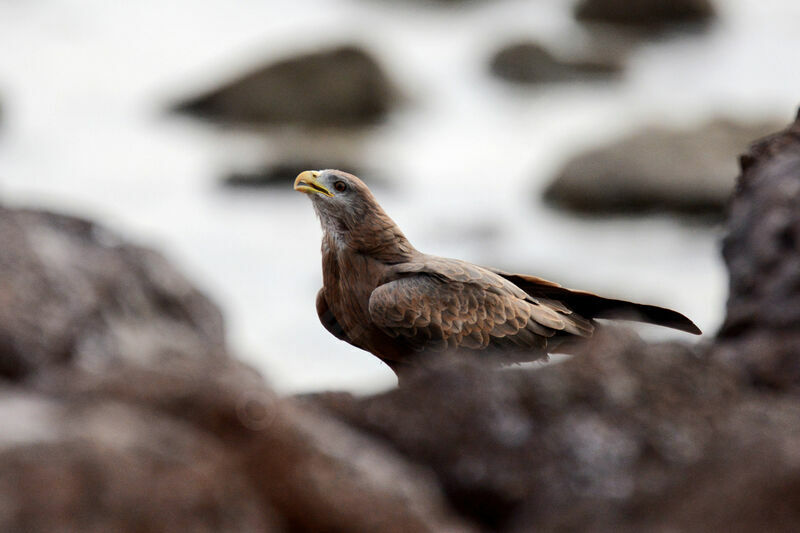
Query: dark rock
[(78, 466), (529, 62), (761, 333), (648, 14), (551, 446), (280, 174), (339, 87), (73, 292), (655, 169)]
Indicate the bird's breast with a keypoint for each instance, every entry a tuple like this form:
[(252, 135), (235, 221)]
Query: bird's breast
[(348, 280)]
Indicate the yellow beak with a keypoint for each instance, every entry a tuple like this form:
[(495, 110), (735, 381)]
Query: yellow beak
[(307, 182)]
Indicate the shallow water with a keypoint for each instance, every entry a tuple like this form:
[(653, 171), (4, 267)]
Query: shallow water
[(84, 84)]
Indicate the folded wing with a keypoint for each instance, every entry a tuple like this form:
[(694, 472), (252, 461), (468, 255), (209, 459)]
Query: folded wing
[(444, 304), (592, 306)]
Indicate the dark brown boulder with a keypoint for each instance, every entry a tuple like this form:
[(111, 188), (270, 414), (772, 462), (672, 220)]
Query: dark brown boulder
[(657, 169), (80, 466), (336, 87), (649, 14), (528, 62), (316, 473), (550, 446), (73, 292), (761, 333)]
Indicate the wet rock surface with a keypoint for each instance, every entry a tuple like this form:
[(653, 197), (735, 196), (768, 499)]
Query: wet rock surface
[(529, 62), (658, 169), (626, 436), (646, 14), (343, 86)]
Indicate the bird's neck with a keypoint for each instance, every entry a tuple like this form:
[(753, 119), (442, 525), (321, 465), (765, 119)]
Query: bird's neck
[(377, 237)]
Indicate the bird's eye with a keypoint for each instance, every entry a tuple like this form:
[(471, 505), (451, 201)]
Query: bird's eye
[(340, 186)]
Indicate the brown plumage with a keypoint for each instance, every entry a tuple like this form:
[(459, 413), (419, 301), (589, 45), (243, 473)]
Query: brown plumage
[(408, 308)]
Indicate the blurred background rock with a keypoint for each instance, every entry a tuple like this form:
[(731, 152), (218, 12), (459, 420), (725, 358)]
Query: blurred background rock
[(443, 103)]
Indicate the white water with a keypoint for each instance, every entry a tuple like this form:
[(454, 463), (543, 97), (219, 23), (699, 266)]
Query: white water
[(83, 84)]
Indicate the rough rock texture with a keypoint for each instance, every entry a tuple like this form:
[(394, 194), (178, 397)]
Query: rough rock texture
[(761, 333), (529, 62), (76, 466), (338, 87), (550, 447), (650, 14), (656, 169), (74, 293)]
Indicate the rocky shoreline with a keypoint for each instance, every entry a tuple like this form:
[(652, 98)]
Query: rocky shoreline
[(124, 411)]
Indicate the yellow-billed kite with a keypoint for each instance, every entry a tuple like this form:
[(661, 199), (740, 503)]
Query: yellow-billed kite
[(382, 295)]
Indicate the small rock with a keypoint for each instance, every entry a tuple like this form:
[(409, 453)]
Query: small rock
[(529, 62), (279, 174), (657, 169), (646, 14), (340, 87)]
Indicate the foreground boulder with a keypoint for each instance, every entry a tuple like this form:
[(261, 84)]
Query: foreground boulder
[(75, 465), (646, 14), (337, 87), (74, 293), (761, 333), (657, 169), (528, 62)]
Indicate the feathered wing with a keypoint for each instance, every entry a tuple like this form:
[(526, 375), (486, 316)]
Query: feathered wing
[(327, 318), (592, 306), (444, 304)]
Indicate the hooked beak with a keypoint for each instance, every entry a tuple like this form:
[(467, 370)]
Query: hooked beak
[(307, 182)]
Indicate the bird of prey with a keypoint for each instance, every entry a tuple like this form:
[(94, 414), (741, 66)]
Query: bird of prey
[(409, 308)]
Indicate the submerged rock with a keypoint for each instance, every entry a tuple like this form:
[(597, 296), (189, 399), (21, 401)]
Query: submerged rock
[(337, 87), (647, 14), (529, 62), (657, 169)]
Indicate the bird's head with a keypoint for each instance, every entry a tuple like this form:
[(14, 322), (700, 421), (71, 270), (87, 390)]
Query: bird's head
[(347, 209), (341, 200)]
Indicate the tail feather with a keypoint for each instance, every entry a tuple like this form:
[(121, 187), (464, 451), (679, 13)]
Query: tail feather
[(592, 306)]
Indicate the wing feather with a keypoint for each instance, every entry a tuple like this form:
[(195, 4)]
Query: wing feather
[(448, 304)]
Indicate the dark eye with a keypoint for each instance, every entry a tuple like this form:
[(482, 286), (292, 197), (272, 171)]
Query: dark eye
[(340, 186)]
